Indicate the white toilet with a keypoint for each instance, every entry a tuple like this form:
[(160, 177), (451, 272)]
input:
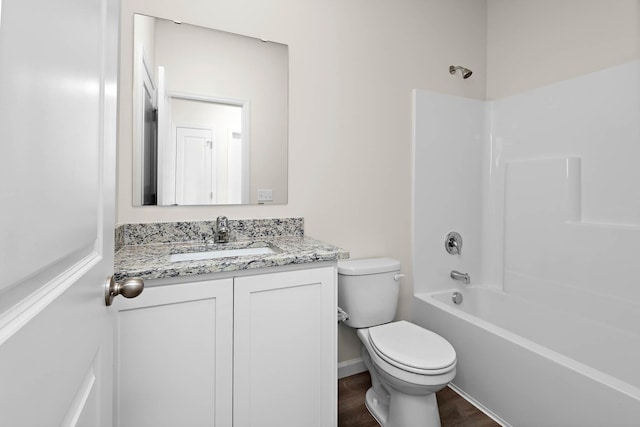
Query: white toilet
[(407, 363)]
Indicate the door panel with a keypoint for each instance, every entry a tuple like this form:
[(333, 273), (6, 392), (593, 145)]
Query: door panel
[(285, 349), (50, 108), (57, 165), (195, 177)]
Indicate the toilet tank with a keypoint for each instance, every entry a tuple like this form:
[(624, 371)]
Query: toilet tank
[(368, 290)]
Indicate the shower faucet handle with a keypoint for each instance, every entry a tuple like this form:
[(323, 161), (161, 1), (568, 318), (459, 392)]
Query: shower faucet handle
[(453, 243)]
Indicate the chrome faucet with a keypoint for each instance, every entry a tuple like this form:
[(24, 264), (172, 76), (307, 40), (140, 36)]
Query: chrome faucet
[(463, 277), (222, 230)]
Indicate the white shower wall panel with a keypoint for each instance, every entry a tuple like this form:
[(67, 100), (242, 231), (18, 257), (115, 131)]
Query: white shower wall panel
[(577, 259), (553, 201), (594, 117), (448, 148), (552, 257)]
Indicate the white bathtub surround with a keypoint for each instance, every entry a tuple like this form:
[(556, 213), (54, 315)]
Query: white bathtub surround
[(593, 118), (549, 208), (515, 360)]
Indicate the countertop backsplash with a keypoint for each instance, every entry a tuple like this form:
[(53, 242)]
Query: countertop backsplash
[(198, 231)]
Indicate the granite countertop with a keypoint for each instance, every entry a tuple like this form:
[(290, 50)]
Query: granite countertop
[(151, 261)]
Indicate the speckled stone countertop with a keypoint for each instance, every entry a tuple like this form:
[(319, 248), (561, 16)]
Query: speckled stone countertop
[(152, 260)]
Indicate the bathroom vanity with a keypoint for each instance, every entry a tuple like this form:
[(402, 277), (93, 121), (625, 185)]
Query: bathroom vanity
[(247, 340)]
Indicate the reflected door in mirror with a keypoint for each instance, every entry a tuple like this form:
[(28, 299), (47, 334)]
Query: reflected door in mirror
[(195, 178)]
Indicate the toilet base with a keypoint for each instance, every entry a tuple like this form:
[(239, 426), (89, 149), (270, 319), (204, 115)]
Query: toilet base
[(408, 411), (377, 407), (413, 411), (416, 407)]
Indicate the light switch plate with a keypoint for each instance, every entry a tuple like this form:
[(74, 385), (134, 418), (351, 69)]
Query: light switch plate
[(265, 195)]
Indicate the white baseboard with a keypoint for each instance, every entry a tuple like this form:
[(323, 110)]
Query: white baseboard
[(350, 367), (478, 405)]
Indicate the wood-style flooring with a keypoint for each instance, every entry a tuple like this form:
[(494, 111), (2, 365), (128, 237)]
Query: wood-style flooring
[(454, 410)]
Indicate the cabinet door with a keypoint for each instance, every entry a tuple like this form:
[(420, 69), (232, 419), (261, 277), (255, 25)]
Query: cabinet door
[(285, 371), (174, 356)]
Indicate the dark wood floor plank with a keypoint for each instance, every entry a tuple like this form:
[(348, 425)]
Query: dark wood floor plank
[(454, 410), (352, 411)]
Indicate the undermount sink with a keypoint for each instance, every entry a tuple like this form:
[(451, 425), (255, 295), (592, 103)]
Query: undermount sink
[(221, 253)]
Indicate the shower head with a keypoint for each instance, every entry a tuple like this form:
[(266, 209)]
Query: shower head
[(466, 73)]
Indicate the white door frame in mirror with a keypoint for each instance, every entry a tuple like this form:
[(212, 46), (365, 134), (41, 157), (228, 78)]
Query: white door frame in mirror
[(245, 136), (143, 85), (166, 156)]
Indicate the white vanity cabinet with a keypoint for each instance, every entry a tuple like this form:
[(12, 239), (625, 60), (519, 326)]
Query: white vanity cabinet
[(253, 350)]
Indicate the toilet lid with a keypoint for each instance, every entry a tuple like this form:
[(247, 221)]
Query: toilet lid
[(410, 347)]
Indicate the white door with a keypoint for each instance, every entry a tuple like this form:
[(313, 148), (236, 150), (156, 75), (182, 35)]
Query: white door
[(195, 160), (174, 356), (58, 68)]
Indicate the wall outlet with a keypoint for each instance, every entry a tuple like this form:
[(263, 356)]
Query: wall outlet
[(265, 195)]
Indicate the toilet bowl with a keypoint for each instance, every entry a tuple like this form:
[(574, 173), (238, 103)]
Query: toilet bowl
[(407, 363)]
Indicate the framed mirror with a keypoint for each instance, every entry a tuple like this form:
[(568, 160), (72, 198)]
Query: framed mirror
[(210, 116)]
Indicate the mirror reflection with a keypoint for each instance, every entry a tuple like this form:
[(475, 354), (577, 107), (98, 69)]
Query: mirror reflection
[(210, 116)]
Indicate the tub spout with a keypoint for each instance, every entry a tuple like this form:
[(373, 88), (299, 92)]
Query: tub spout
[(463, 277)]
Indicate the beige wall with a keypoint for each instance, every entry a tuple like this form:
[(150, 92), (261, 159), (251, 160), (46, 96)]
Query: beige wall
[(352, 66), (535, 43)]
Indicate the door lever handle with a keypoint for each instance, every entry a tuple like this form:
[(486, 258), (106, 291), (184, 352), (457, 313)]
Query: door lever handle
[(128, 288)]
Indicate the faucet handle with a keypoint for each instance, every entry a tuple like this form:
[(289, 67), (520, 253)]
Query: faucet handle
[(221, 234), (453, 243), (222, 222)]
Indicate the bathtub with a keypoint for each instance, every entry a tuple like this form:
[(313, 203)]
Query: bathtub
[(530, 364)]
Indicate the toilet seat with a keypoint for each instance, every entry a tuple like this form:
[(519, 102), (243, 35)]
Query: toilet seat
[(412, 348)]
